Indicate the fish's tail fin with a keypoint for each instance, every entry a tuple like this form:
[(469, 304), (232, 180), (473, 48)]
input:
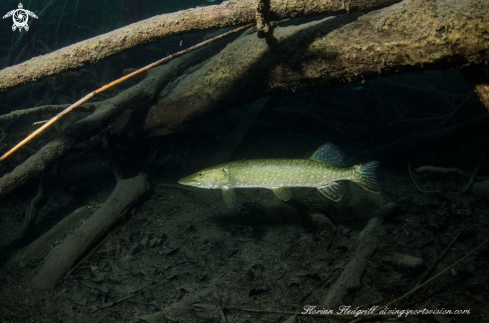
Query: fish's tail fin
[(366, 176)]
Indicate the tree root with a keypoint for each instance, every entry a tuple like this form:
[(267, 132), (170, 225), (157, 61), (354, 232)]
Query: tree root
[(351, 275), (64, 255), (41, 246), (106, 112), (112, 84)]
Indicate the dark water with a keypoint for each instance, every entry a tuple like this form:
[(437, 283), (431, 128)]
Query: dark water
[(181, 242)]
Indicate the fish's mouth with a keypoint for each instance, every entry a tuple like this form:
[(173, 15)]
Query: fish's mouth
[(189, 181)]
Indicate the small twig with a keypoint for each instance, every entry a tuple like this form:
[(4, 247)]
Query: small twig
[(433, 266), (113, 83), (418, 287), (472, 177), (220, 307), (115, 302), (32, 212), (44, 109), (305, 297), (444, 170), (412, 177)]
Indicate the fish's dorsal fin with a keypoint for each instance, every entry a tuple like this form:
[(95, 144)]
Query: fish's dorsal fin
[(229, 196), (284, 192), (334, 191), (329, 153)]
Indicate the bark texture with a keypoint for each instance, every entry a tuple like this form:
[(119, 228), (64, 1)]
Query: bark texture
[(476, 77), (106, 112), (63, 256), (409, 36), (229, 13), (350, 278)]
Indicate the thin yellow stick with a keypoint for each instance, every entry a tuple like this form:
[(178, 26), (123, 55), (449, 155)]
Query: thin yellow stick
[(108, 86)]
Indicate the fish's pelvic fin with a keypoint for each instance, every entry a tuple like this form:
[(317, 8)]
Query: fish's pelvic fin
[(334, 191), (229, 196), (284, 192), (367, 178), (329, 153)]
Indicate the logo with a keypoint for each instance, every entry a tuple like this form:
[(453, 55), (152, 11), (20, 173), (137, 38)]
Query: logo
[(20, 17)]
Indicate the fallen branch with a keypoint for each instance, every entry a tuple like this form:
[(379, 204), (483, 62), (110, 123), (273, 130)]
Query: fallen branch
[(64, 255), (45, 109), (325, 53), (352, 274), (440, 257), (106, 112), (41, 246), (443, 170), (112, 84), (415, 183), (229, 13), (420, 286), (469, 183)]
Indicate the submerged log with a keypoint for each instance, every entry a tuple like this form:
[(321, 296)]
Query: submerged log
[(229, 13), (409, 36), (63, 256)]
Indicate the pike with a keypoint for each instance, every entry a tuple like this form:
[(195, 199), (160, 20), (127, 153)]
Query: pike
[(322, 171)]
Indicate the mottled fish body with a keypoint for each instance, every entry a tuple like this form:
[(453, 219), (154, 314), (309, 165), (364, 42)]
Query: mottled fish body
[(322, 171), (270, 173)]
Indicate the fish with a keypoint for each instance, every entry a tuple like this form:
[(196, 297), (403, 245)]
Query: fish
[(323, 170)]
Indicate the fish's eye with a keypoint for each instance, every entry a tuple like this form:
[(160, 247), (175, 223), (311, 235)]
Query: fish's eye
[(201, 174)]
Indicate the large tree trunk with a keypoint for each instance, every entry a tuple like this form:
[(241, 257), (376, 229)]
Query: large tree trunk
[(229, 13), (409, 36)]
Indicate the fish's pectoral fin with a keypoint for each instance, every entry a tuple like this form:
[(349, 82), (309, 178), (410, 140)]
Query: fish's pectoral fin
[(333, 191), (284, 192), (229, 196)]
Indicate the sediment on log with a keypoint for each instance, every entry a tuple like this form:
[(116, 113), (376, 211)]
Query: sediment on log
[(229, 13), (63, 256), (41, 246), (409, 36)]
